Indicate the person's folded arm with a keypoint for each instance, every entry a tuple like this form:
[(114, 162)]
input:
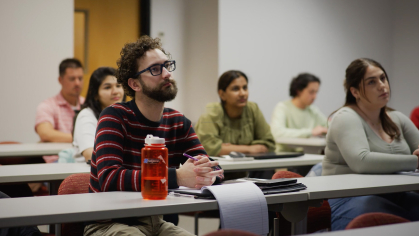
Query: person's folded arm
[(47, 133), (108, 155), (192, 145), (349, 135)]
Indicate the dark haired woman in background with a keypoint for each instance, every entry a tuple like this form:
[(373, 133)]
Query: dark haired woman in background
[(234, 124), (367, 137), (103, 91), (298, 118)]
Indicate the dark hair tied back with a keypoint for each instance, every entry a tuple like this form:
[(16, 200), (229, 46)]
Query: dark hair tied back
[(300, 82)]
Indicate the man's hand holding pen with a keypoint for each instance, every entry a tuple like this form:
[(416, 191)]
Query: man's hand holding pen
[(198, 171)]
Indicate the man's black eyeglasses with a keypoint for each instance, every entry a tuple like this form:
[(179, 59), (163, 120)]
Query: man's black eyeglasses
[(157, 69)]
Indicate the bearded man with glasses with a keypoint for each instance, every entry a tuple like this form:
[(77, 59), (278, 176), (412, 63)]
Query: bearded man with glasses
[(145, 72)]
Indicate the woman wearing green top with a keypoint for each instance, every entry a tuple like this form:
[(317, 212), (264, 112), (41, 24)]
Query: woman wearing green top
[(367, 137), (234, 124)]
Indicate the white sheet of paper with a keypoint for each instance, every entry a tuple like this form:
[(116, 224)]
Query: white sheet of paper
[(416, 172), (242, 206)]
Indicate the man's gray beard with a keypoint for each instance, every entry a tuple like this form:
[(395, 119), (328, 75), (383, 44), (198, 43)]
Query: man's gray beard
[(159, 93)]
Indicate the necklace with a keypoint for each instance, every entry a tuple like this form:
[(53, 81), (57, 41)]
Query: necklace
[(368, 120)]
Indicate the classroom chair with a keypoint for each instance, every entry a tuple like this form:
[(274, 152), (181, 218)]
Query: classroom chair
[(375, 219), (73, 184), (230, 232), (318, 218)]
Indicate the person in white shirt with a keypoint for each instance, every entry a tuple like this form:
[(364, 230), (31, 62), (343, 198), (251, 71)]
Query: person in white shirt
[(103, 91)]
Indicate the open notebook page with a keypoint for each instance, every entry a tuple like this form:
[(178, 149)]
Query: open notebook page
[(242, 206)]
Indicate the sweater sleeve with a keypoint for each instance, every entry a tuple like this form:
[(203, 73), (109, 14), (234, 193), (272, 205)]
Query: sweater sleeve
[(84, 130), (107, 157), (279, 125), (262, 132), (208, 132), (349, 135)]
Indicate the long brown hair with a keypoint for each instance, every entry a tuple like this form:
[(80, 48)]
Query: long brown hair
[(354, 77)]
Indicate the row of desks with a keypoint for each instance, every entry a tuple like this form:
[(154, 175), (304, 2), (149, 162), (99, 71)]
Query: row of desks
[(56, 172), (99, 206), (32, 149), (86, 207), (310, 145)]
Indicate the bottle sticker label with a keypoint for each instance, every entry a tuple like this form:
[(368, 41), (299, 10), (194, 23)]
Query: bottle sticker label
[(151, 161)]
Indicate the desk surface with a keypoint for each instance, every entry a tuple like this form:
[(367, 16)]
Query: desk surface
[(32, 149), (99, 206), (316, 142), (59, 171), (40, 172), (336, 186), (405, 229), (307, 159)]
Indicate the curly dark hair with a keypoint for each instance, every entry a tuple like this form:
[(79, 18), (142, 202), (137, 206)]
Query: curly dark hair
[(128, 63)]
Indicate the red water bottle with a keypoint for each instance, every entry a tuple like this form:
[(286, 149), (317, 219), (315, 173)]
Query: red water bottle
[(154, 169)]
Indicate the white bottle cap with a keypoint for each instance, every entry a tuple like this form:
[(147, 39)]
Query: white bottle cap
[(153, 140)]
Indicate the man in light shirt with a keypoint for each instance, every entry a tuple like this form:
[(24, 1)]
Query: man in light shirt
[(54, 116)]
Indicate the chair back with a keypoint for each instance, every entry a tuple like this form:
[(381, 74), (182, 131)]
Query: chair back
[(285, 174), (375, 219), (74, 184)]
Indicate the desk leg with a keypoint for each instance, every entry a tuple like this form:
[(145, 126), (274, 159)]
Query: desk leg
[(57, 229), (276, 227), (53, 190), (53, 187), (296, 213), (299, 227), (276, 208)]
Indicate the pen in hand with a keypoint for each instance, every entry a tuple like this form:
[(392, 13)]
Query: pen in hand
[(193, 158)]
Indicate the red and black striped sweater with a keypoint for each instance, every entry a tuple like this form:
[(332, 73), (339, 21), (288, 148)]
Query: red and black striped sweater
[(120, 134)]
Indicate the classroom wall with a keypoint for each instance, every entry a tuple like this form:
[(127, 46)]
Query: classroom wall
[(274, 41), (168, 23), (271, 42), (201, 62), (405, 80), (190, 30), (35, 37)]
